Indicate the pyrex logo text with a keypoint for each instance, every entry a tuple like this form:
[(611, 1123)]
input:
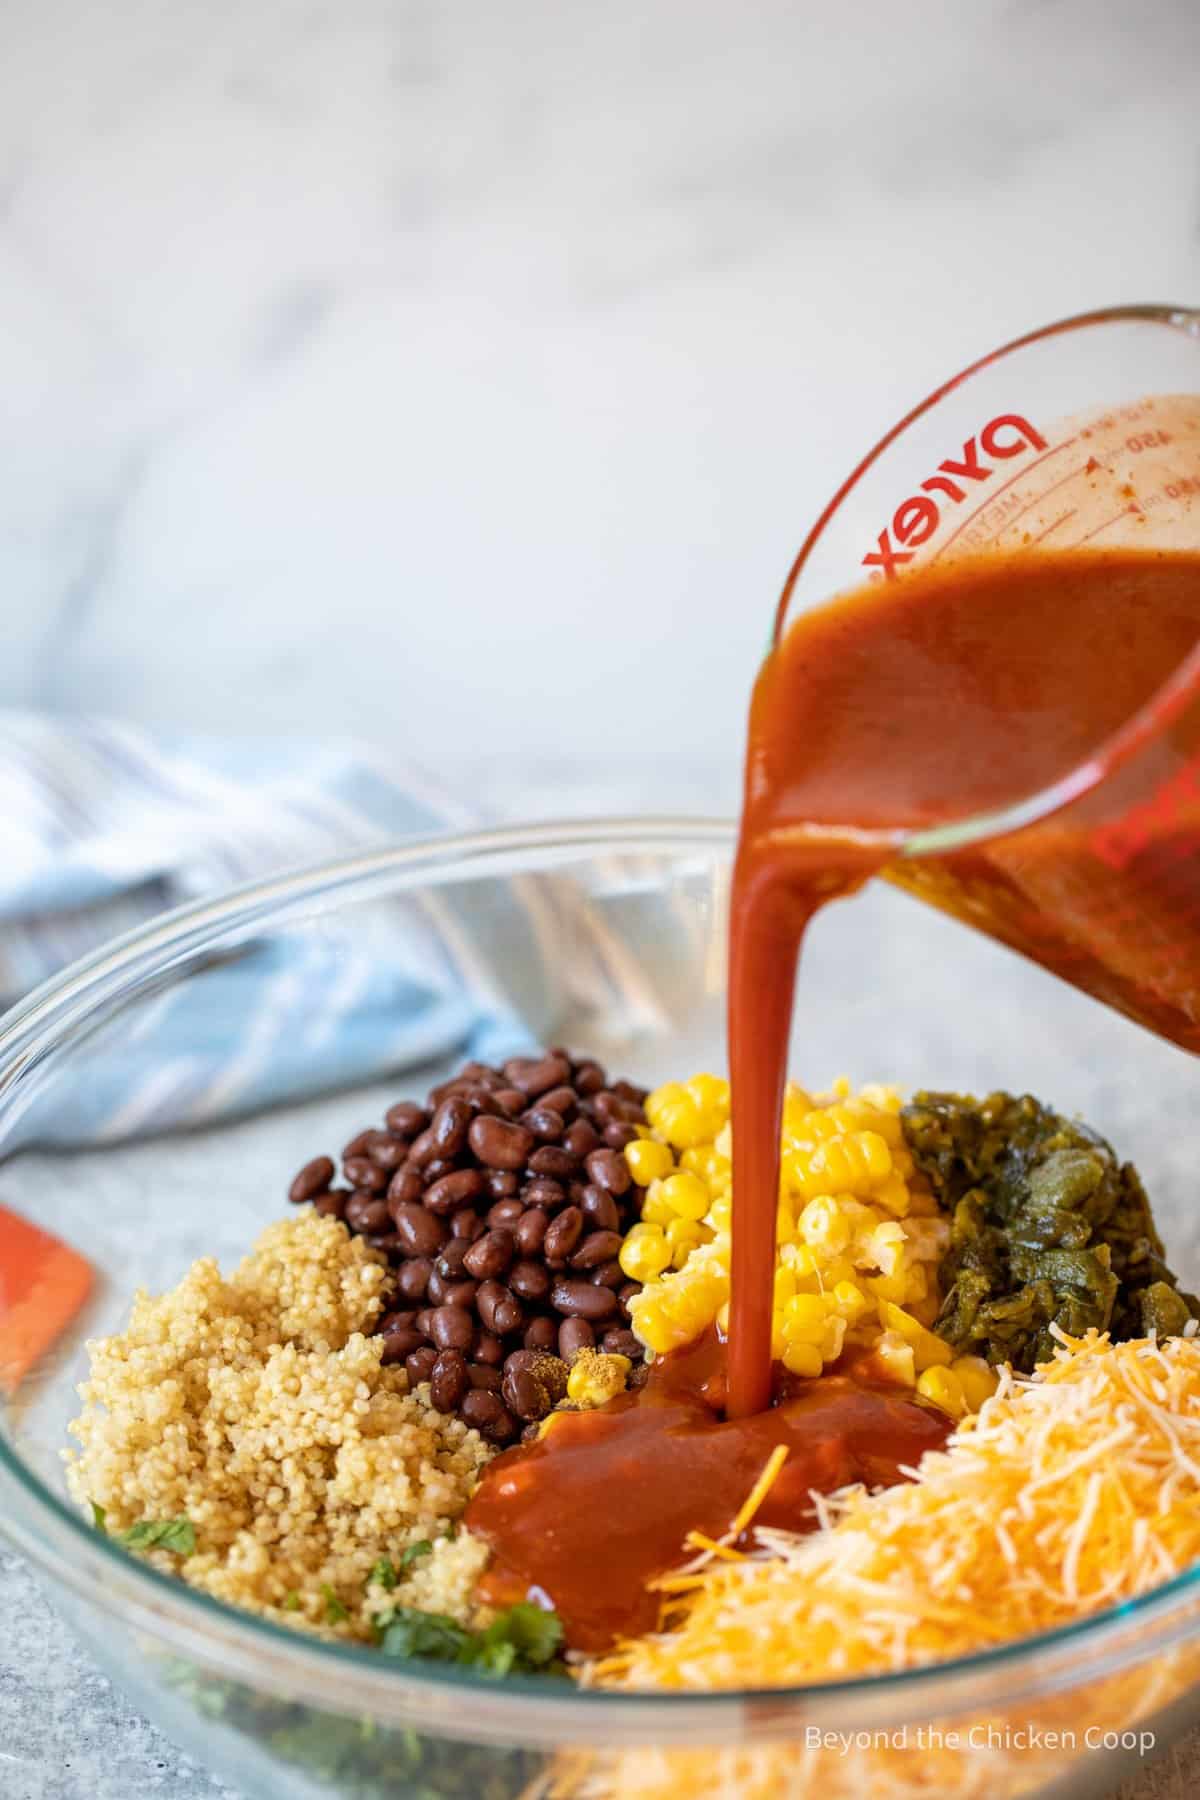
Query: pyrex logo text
[(916, 519)]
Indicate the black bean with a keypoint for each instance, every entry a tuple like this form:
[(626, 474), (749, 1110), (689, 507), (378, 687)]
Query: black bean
[(412, 1277), (418, 1364), (449, 1124), (423, 1149), (502, 1184), (363, 1173), (406, 1184), (564, 1100), (485, 1375), (452, 1259), (420, 1233), (562, 1235), (549, 1195), (574, 1335), (365, 1212), (510, 1100), (505, 1215), (499, 1310), (545, 1124), (621, 1343), (541, 1334), (598, 1247), (450, 1193), (424, 1320), (617, 1135), (608, 1170), (489, 1349), (489, 1415), (387, 1241), (449, 1292), (399, 1341), (448, 1380), (406, 1118), (629, 1090), (441, 1165), (332, 1204), (557, 1163), (531, 1231), (589, 1078), (599, 1208), (608, 1275), (499, 1143), (490, 1255), (581, 1300), (581, 1138), (538, 1075), (466, 1224), (387, 1152), (312, 1179), (524, 1394), (358, 1145), (453, 1328), (529, 1280)]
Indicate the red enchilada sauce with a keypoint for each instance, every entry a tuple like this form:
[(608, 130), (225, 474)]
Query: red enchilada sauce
[(904, 706), (947, 694), (585, 1517)]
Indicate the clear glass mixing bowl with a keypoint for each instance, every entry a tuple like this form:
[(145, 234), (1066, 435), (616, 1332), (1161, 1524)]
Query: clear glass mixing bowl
[(889, 991)]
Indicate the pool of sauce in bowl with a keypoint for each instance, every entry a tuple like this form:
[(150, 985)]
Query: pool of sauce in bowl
[(585, 1517)]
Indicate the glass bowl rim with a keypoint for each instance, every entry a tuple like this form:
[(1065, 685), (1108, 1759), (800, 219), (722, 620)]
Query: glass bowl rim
[(356, 1679)]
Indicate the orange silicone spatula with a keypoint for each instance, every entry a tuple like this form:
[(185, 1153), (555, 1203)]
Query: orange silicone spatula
[(43, 1284)]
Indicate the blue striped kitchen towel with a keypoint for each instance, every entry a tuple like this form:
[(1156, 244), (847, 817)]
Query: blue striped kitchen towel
[(102, 826)]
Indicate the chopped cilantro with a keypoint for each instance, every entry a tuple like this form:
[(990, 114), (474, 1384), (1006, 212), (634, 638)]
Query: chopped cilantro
[(335, 1612), (410, 1556), (98, 1516), (522, 1641), (383, 1574), (407, 1632), (291, 1601), (178, 1535)]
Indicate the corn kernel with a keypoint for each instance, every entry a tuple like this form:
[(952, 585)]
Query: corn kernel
[(897, 1358), (977, 1379), (943, 1388), (802, 1359), (929, 1351), (686, 1195), (823, 1222), (642, 1258), (596, 1378), (850, 1301), (804, 1313), (656, 1210), (647, 1160)]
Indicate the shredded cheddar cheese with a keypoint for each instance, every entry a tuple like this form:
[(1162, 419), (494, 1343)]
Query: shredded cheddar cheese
[(1066, 1494)]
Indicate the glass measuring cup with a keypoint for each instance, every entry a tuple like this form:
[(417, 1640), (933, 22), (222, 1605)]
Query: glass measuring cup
[(1085, 434)]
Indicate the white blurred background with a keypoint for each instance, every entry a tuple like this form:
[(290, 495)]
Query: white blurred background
[(466, 376)]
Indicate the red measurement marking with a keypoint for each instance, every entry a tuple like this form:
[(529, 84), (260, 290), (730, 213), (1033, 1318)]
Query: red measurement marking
[(1123, 514), (996, 492), (1061, 520), (42, 1287), (1087, 468)]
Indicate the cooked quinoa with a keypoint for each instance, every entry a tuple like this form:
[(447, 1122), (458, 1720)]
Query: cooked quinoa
[(257, 1408)]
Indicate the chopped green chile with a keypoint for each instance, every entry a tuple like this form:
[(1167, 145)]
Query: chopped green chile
[(1048, 1229)]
